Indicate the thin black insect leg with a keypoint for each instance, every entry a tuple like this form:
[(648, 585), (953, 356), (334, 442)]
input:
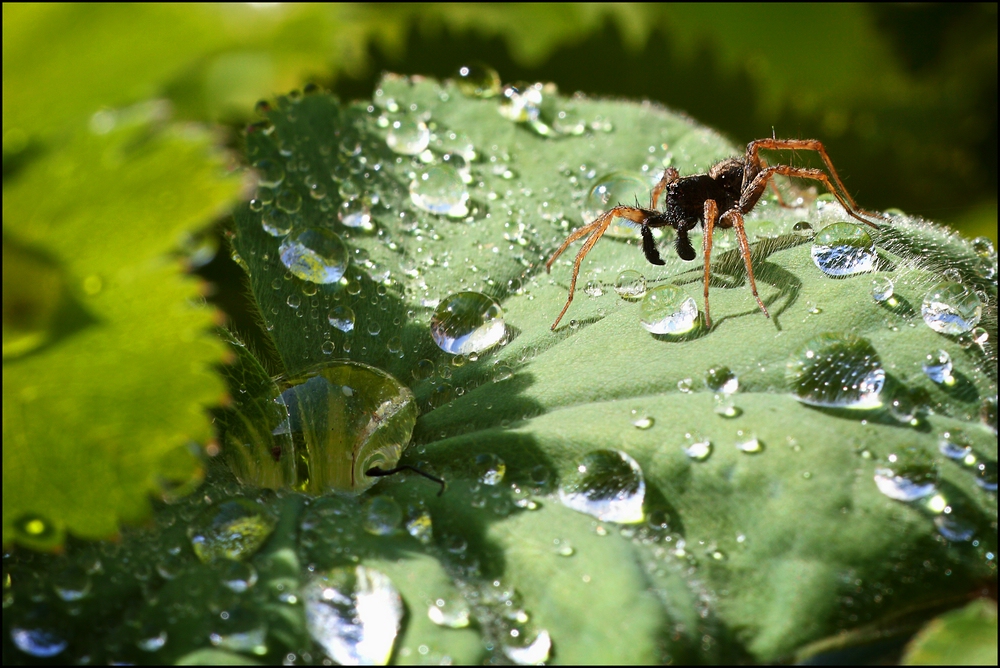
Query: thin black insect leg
[(376, 472)]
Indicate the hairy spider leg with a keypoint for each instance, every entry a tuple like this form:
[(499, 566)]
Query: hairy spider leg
[(850, 205), (760, 182), (596, 230), (669, 176), (741, 237), (774, 187), (711, 213)]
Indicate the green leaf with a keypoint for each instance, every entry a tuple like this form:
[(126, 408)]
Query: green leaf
[(964, 637), (107, 362), (778, 540)]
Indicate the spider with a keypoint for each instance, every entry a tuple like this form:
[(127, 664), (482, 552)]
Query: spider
[(732, 186)]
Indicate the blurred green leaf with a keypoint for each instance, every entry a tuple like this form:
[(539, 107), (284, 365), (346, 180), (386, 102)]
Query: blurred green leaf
[(104, 391), (965, 637)]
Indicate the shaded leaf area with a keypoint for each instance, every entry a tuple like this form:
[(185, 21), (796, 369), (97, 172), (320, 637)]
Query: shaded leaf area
[(965, 637), (778, 542), (107, 348)]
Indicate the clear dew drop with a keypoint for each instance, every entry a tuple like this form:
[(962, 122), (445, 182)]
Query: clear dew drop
[(645, 422), (38, 641), (613, 189), (288, 201), (698, 448), (408, 136), (270, 174), (153, 642), (239, 576), (955, 445), (667, 309), (354, 613), (234, 529), (630, 285), (803, 229), (908, 477), (342, 318), (748, 443), (844, 249), (467, 322), (478, 80), (532, 653), (355, 213), (938, 367), (72, 583), (276, 222), (240, 630), (883, 289), (318, 256), (441, 191), (382, 516), (527, 105), (951, 308), (837, 371), (606, 484), (490, 469), (452, 612), (420, 525)]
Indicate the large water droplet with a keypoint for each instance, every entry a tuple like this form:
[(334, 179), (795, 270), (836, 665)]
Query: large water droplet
[(883, 289), (382, 516), (843, 249), (348, 417), (240, 630), (630, 285), (234, 529), (667, 309), (318, 256), (490, 469), (269, 173), (938, 367), (478, 80), (837, 371), (408, 136), (38, 641), (606, 484), (533, 653), (238, 576), (907, 478), (951, 308), (342, 317), (354, 614), (467, 322), (452, 612), (441, 191), (72, 583), (613, 189), (276, 222)]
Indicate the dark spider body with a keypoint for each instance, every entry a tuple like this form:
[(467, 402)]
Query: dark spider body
[(720, 198)]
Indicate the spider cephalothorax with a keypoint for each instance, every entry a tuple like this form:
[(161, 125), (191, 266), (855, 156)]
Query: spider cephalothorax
[(720, 198)]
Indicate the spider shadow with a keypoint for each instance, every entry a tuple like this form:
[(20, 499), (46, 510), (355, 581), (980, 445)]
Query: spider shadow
[(729, 271)]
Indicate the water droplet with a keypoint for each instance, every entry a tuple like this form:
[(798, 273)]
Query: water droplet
[(837, 371), (908, 477), (698, 448), (478, 80), (525, 105), (408, 136), (882, 289), (269, 173), (294, 301), (318, 256), (938, 367), (563, 547), (354, 614), (288, 201), (644, 422), (72, 583), (152, 642), (986, 475), (490, 469), (613, 189), (239, 576), (843, 249), (667, 309), (451, 612), (341, 317), (955, 445), (951, 308), (630, 285), (419, 524), (328, 347), (748, 442), (594, 289), (441, 191), (802, 229), (346, 417), (721, 379), (533, 653), (276, 222), (355, 213), (467, 322), (382, 516), (37, 641), (234, 529), (606, 484), (239, 630), (983, 247)]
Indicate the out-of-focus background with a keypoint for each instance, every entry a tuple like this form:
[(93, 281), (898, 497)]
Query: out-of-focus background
[(904, 96)]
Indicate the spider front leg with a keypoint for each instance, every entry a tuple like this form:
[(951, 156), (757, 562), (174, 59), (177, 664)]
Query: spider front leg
[(596, 230)]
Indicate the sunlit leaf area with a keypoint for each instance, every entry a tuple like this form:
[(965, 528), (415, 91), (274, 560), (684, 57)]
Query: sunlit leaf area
[(294, 372)]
